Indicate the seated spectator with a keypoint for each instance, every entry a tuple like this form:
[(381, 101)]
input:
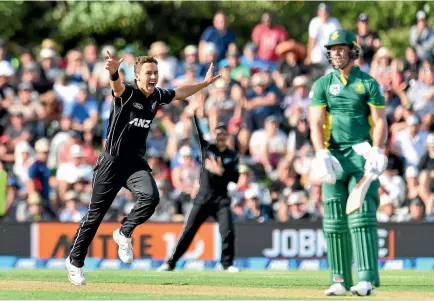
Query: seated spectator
[(128, 54), (187, 76), (30, 107), (412, 183), (24, 158), (385, 69), (426, 179), (421, 92), (411, 65), (368, 40), (298, 137), (254, 206), (167, 65), (84, 111), (392, 101), (416, 210), (49, 64), (157, 140), (209, 53), (296, 207), (386, 210), (17, 131), (251, 60), (32, 210), (190, 58), (238, 72), (291, 64), (73, 210), (219, 107), (100, 77), (299, 97), (287, 178), (268, 146), (60, 138), (422, 36)]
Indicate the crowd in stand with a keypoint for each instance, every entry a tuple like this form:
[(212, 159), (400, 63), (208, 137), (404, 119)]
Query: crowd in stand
[(54, 114)]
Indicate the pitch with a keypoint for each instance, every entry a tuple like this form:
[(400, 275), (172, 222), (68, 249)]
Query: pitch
[(246, 285)]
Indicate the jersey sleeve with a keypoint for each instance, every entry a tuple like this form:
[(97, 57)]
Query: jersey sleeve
[(376, 97), (166, 96), (317, 96)]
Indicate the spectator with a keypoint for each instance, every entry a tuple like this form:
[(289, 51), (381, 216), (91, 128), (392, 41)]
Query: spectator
[(128, 54), (167, 65), (384, 69), (90, 56), (422, 36), (219, 34), (267, 35), (295, 209), (220, 108), (426, 179), (190, 58), (251, 60), (160, 170), (48, 60), (392, 184), (291, 65), (412, 64), (411, 142), (421, 92), (24, 158), (254, 207), (299, 98), (73, 211), (416, 210), (315, 203), (209, 54), (368, 40), (31, 109), (76, 70), (32, 210), (386, 210), (320, 28)]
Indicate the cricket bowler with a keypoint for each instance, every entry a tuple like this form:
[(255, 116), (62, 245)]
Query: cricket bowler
[(346, 113)]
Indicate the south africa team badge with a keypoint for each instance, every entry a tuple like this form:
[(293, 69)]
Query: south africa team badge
[(335, 89)]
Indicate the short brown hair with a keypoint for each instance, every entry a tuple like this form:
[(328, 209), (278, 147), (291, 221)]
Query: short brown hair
[(142, 60)]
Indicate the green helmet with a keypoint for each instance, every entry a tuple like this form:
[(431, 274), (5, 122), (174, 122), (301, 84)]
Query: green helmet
[(343, 37)]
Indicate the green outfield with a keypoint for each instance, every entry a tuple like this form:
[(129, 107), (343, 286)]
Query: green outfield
[(52, 284)]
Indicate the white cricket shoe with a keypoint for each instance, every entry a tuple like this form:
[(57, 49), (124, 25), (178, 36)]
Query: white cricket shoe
[(363, 288), (75, 275), (232, 269), (125, 250), (165, 267), (336, 289)]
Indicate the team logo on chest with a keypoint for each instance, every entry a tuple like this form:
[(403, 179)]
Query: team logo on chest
[(335, 89), (138, 105), (359, 88), (141, 123)]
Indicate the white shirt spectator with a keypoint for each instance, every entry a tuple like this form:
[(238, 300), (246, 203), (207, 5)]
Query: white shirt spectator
[(259, 143), (394, 186), (321, 32), (412, 148), (71, 173)]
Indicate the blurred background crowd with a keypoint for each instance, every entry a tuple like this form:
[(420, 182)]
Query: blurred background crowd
[(54, 111)]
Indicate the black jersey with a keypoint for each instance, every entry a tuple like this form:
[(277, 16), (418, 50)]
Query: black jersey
[(213, 188), (130, 120)]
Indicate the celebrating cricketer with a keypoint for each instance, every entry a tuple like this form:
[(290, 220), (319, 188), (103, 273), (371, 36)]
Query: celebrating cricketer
[(347, 113)]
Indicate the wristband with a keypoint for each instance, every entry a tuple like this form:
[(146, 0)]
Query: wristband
[(114, 76)]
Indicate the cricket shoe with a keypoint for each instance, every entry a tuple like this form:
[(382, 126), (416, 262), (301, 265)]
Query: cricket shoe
[(125, 249), (75, 275), (232, 269), (336, 289), (165, 267), (363, 288)]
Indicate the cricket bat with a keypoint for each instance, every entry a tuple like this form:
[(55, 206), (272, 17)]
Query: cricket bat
[(355, 200)]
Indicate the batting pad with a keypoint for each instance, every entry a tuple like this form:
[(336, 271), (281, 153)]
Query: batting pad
[(363, 227), (338, 240)]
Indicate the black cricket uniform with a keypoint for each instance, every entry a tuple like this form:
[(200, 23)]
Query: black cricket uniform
[(211, 200), (122, 164)]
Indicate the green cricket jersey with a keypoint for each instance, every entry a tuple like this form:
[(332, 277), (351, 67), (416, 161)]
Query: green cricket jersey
[(347, 102)]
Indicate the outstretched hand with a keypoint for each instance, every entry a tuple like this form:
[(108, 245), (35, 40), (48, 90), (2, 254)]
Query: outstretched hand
[(214, 166), (209, 77), (112, 65)]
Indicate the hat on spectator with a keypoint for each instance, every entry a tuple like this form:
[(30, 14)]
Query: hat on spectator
[(25, 86), (6, 69), (185, 151), (42, 145), (363, 17), (257, 79), (210, 48), (296, 197), (252, 192), (153, 152), (384, 52), (421, 15), (129, 50), (190, 49), (250, 45), (110, 49), (49, 43), (272, 118), (76, 151), (220, 84), (71, 195), (430, 140), (31, 67), (385, 200), (17, 113), (158, 48), (417, 201), (291, 46), (412, 120), (48, 53), (301, 80), (34, 198), (411, 172), (324, 6)]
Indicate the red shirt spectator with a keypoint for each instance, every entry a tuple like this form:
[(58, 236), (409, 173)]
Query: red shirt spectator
[(267, 36)]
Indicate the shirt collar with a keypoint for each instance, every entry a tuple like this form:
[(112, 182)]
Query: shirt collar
[(353, 74)]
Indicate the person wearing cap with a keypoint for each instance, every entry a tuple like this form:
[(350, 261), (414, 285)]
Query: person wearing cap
[(291, 64), (219, 34), (348, 131), (410, 143), (73, 211), (90, 55), (18, 130), (320, 29), (122, 162), (208, 54), (219, 167), (267, 35), (299, 97), (32, 110), (368, 40), (238, 71), (422, 36), (167, 65), (76, 70), (128, 53), (189, 57), (254, 207), (84, 111), (416, 209)]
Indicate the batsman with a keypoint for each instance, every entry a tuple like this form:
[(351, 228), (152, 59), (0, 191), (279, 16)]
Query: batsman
[(348, 131)]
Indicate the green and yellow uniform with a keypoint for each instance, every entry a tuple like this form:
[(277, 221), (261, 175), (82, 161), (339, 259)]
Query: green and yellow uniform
[(347, 123)]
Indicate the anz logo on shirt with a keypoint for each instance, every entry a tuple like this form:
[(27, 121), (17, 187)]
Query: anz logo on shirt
[(141, 123)]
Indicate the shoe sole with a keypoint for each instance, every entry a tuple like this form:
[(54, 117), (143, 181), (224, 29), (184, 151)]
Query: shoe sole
[(356, 293), (115, 238)]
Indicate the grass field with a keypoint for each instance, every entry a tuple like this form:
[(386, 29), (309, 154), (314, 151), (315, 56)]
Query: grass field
[(300, 285)]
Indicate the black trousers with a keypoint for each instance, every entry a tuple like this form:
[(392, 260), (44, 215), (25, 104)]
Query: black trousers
[(198, 214), (110, 175)]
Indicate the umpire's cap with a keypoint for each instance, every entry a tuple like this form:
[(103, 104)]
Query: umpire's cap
[(342, 37)]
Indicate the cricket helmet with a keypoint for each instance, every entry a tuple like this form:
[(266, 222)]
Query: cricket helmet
[(343, 37)]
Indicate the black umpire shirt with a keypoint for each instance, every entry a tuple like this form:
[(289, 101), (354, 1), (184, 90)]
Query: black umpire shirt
[(213, 188), (130, 120)]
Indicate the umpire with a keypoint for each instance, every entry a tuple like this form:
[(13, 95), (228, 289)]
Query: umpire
[(122, 162), (220, 166)]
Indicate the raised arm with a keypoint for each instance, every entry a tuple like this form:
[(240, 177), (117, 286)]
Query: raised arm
[(112, 66)]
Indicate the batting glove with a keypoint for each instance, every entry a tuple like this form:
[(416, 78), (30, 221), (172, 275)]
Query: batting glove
[(327, 167), (376, 162)]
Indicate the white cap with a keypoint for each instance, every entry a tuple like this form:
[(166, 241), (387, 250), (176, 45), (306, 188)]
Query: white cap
[(411, 172), (296, 198), (185, 151), (110, 49), (76, 151), (6, 69), (47, 53), (412, 120), (252, 192), (385, 200), (430, 140), (421, 15), (210, 48), (42, 145), (300, 80), (190, 49)]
